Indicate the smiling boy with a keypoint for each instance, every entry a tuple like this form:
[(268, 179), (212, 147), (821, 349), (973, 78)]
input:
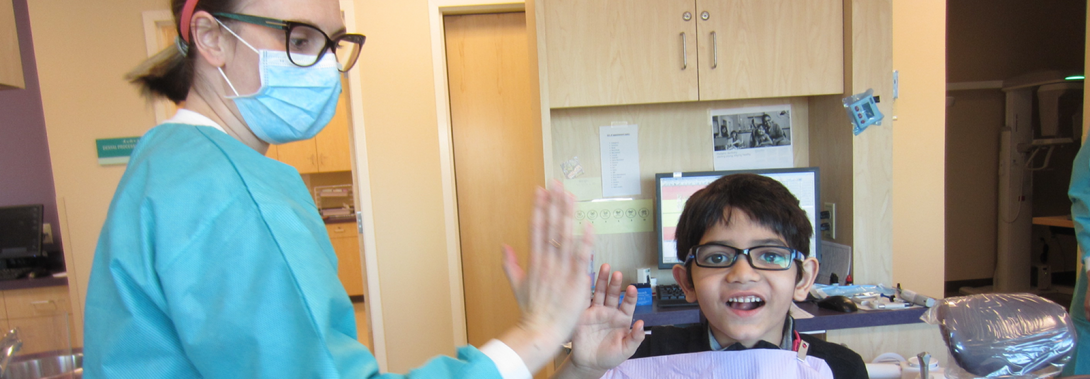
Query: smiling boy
[(744, 243)]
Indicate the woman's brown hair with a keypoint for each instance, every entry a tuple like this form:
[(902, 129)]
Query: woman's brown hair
[(169, 73)]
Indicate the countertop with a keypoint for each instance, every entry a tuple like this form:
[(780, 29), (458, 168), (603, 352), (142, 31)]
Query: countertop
[(823, 319), (19, 284)]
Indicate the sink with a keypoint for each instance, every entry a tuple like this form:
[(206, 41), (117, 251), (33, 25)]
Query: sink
[(49, 365)]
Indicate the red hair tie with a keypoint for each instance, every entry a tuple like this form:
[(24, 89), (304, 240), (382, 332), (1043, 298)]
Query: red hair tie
[(187, 17)]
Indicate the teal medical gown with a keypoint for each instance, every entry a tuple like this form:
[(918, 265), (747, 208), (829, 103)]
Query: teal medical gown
[(1079, 192), (214, 263)]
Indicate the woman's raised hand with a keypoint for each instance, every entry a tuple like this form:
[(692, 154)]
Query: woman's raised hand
[(554, 290)]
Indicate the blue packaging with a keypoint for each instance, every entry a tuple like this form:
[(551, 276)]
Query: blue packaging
[(862, 110), (643, 291)]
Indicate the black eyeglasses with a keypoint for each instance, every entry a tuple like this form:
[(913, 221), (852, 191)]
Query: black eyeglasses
[(305, 43), (717, 255)]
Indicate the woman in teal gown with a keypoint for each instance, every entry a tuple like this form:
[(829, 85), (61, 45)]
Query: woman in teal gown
[(213, 261)]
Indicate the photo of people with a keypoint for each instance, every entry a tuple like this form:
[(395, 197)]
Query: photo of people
[(765, 131)]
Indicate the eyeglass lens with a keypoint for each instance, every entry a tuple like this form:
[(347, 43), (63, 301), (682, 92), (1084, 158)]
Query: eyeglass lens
[(348, 49), (306, 44), (769, 257)]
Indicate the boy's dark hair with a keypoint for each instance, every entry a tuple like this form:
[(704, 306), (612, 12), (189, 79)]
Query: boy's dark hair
[(763, 199)]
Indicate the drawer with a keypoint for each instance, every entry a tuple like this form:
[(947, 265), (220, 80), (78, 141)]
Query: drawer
[(43, 333), (342, 230), (34, 302)]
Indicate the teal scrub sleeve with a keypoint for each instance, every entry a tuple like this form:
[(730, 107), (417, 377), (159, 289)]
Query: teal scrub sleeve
[(275, 320), (1079, 193)]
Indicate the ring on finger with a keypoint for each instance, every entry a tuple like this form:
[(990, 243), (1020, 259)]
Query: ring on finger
[(554, 243)]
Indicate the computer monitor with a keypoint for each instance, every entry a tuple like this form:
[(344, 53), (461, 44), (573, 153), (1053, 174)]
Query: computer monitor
[(672, 190), (21, 231)]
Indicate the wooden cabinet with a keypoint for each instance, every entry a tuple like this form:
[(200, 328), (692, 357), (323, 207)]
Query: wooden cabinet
[(42, 315), (346, 244), (613, 52), (770, 48), (11, 62), (326, 152), (607, 52), (272, 152)]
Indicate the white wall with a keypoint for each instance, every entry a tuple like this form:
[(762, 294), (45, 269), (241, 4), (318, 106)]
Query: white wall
[(405, 179), (919, 145), (83, 50)]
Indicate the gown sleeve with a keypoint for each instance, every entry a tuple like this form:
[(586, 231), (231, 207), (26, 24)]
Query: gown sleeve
[(1079, 193), (248, 303)]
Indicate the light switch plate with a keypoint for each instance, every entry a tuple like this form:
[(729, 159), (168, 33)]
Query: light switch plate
[(47, 233)]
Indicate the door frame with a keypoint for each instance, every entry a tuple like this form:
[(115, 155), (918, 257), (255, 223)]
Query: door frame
[(436, 10), (365, 212)]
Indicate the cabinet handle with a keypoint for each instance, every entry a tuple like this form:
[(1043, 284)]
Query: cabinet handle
[(684, 52), (715, 51)]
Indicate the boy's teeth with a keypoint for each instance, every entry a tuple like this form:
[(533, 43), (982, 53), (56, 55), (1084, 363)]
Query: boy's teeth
[(745, 299)]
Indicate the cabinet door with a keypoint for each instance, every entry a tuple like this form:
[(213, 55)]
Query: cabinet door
[(272, 152), (11, 63), (333, 142), (346, 244), (609, 52), (302, 155), (770, 48)]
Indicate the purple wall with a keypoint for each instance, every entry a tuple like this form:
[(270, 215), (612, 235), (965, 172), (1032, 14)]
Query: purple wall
[(26, 175)]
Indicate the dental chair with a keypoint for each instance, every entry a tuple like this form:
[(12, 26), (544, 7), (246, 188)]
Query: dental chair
[(1005, 335)]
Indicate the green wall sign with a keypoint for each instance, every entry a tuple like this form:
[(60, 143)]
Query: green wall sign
[(114, 151)]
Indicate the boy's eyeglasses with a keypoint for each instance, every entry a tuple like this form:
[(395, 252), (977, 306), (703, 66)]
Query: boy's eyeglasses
[(306, 44), (717, 255)]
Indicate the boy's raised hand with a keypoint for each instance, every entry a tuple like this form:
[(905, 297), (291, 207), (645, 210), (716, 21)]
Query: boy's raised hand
[(605, 336)]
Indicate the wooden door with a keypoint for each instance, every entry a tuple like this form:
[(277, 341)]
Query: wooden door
[(332, 144), (770, 48), (609, 52), (497, 158)]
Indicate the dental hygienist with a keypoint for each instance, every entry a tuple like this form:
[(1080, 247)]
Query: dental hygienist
[(213, 261)]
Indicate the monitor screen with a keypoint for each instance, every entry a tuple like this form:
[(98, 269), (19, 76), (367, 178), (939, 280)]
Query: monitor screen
[(672, 190), (21, 230)]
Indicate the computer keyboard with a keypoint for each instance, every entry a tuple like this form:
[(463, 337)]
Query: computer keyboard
[(14, 273), (671, 296)]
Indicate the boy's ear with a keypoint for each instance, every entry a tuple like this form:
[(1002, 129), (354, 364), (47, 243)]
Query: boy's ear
[(809, 269), (681, 276)]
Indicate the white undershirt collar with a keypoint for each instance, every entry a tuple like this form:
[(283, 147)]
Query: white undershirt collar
[(188, 117)]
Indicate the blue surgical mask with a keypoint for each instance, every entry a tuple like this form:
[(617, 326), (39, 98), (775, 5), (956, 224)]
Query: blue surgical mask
[(294, 103)]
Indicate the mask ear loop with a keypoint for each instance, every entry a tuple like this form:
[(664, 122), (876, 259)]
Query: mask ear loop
[(228, 81), (236, 36), (221, 68)]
